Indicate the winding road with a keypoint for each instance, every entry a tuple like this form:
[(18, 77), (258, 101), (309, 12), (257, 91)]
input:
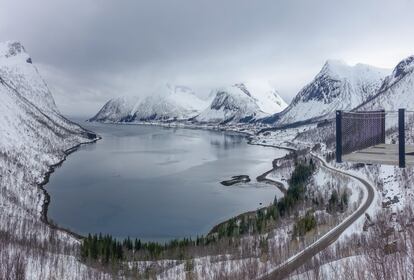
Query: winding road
[(285, 269), (279, 185)]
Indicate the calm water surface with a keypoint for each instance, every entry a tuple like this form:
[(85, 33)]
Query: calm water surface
[(157, 183)]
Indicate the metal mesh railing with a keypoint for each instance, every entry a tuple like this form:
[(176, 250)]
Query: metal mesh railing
[(361, 130), (357, 131)]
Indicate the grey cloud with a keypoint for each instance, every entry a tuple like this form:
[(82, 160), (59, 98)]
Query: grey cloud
[(94, 50)]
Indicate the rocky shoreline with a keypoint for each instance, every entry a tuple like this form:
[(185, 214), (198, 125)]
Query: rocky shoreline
[(43, 215)]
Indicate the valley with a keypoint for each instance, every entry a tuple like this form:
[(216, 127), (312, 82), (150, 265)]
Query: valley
[(141, 197)]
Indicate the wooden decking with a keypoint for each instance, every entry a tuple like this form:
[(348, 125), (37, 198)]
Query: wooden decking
[(381, 154)]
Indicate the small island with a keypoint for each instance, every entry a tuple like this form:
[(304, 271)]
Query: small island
[(236, 179)]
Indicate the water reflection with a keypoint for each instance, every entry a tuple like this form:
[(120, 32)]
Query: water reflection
[(157, 183), (227, 141)]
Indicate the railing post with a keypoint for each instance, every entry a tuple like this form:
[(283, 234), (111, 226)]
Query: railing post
[(401, 137), (339, 136), (383, 126)]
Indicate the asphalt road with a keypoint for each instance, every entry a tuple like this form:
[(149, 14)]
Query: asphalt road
[(286, 268)]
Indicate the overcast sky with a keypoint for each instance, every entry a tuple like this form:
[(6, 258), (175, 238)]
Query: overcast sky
[(90, 51)]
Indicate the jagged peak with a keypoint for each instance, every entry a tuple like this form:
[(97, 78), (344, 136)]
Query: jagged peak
[(11, 48), (340, 70), (335, 67), (403, 67), (335, 62), (243, 88), (14, 49)]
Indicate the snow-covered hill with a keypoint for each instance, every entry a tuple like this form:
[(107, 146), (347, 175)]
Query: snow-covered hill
[(16, 68), (233, 104), (337, 86), (33, 133), (166, 104), (116, 109), (34, 136), (397, 90)]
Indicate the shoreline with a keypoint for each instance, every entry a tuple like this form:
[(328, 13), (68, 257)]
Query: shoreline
[(44, 217), (46, 201), (183, 125)]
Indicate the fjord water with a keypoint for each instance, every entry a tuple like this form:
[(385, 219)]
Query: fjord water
[(157, 183)]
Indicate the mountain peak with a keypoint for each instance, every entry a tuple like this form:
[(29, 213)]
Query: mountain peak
[(16, 68), (243, 88), (11, 48), (339, 69), (396, 89), (338, 86), (336, 68), (231, 104), (335, 63), (405, 66)]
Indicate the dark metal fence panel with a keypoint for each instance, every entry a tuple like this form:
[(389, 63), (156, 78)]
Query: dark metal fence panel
[(361, 130)]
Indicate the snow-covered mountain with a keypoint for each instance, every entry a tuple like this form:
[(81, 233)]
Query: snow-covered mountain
[(16, 69), (33, 137), (236, 103), (116, 109), (337, 86), (266, 97), (167, 103), (233, 104), (397, 90), (29, 120)]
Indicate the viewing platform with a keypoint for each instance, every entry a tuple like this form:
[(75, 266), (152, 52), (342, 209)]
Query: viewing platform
[(381, 154), (361, 137)]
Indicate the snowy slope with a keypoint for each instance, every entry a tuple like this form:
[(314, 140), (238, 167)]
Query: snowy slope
[(116, 109), (169, 103), (397, 90), (267, 98), (34, 136), (234, 104), (165, 104), (337, 86), (16, 68)]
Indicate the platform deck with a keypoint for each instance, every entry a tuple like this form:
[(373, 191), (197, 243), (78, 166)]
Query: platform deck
[(381, 154)]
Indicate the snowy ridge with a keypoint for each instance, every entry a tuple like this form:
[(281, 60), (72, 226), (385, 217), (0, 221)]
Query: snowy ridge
[(166, 104), (397, 89), (234, 104), (266, 97), (337, 86), (116, 109), (16, 68), (271, 102), (169, 103)]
